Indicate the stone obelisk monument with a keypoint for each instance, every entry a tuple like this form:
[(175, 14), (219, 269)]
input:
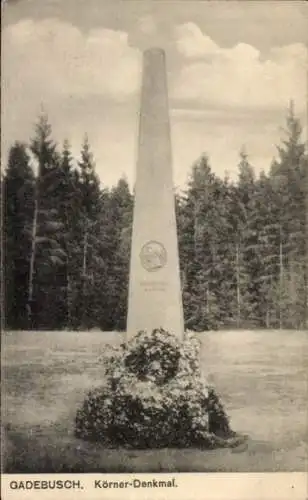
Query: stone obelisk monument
[(155, 298)]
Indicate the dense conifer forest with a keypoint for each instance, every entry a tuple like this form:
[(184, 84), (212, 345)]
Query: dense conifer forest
[(66, 240)]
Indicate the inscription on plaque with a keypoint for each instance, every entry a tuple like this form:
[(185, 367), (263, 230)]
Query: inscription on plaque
[(153, 256), (153, 286)]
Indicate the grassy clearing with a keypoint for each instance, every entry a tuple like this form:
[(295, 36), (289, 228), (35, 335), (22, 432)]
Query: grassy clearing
[(261, 376)]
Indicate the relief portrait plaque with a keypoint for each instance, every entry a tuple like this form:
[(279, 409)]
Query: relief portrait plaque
[(153, 256)]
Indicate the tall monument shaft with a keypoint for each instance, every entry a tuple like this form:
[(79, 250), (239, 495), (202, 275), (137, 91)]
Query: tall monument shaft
[(155, 298)]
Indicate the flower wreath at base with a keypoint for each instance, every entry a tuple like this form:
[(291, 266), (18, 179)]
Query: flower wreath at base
[(154, 396)]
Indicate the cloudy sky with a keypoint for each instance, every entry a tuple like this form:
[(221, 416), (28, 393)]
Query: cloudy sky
[(232, 69)]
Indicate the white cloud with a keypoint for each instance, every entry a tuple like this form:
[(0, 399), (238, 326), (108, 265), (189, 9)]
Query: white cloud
[(191, 42), (79, 78), (57, 57), (89, 81), (238, 76)]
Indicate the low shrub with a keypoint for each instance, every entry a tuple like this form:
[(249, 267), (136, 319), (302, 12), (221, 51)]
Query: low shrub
[(154, 397)]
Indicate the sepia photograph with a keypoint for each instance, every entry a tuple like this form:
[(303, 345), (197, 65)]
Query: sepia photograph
[(154, 240)]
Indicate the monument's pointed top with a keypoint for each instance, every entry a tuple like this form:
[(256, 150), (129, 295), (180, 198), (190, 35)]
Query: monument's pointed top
[(153, 51)]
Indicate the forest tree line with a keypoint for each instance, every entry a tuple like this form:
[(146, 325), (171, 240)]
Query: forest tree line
[(66, 240)]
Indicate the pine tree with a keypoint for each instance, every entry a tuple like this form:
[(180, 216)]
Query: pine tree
[(46, 304), (2, 232), (204, 249), (199, 268), (288, 180), (88, 214), (269, 245), (185, 229), (305, 183), (120, 232), (18, 206), (67, 194), (248, 228)]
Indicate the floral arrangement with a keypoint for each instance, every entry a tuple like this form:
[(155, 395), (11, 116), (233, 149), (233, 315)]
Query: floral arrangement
[(154, 396)]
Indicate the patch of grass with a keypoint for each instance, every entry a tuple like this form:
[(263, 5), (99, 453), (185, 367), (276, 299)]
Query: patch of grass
[(261, 376)]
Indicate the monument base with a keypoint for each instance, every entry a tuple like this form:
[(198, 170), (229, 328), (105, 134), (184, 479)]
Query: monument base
[(154, 397)]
